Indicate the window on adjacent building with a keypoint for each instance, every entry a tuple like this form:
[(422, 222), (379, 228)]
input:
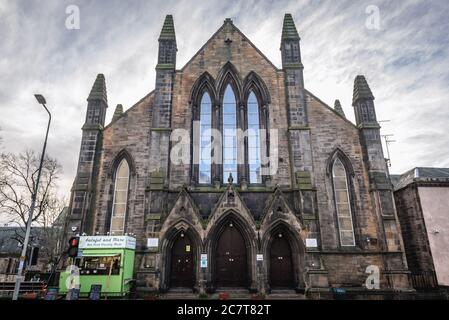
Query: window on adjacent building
[(229, 135), (120, 198), (254, 162), (205, 139), (343, 204)]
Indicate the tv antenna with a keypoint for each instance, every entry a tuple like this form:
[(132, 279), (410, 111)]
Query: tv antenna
[(387, 143)]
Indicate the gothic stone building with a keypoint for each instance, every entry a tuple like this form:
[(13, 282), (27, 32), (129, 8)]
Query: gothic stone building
[(317, 222)]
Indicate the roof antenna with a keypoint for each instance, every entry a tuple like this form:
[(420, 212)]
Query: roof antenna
[(387, 143)]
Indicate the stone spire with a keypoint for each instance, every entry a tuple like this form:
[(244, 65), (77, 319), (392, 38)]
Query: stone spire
[(168, 29), (361, 90), (289, 31), (339, 109), (167, 45), (98, 91), (118, 112)]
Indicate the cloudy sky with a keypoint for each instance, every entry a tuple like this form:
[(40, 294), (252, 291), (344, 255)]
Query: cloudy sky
[(405, 60)]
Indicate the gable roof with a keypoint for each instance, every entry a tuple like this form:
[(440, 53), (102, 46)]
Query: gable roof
[(330, 108), (131, 108), (226, 22)]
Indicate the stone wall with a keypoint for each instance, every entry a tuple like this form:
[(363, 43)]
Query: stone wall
[(245, 58), (413, 229), (153, 203), (126, 137), (330, 133)]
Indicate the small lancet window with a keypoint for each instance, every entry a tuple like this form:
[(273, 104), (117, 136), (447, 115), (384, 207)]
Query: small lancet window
[(120, 199), (343, 204)]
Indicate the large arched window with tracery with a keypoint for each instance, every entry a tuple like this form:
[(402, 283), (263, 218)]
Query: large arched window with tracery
[(229, 135), (205, 174), (235, 109), (254, 154), (343, 203), (120, 198)]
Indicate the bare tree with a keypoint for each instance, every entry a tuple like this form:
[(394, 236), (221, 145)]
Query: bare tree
[(18, 174)]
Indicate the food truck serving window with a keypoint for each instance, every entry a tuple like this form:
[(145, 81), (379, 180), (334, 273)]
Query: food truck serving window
[(100, 265)]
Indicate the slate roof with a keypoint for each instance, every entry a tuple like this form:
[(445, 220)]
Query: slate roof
[(420, 174)]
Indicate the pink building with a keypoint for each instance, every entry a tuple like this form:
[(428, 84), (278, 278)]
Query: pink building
[(422, 201)]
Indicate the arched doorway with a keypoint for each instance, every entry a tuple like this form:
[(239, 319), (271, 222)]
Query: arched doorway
[(182, 273), (281, 264), (231, 258)]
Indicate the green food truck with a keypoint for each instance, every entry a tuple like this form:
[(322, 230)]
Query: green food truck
[(106, 261)]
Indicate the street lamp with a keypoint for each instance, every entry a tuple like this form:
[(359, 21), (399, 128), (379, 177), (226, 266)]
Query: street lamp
[(41, 100)]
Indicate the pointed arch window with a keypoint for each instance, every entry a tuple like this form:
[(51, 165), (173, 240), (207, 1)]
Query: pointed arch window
[(205, 139), (229, 135), (343, 204), (254, 155), (120, 198)]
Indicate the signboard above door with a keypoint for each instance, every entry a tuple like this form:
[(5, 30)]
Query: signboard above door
[(107, 242)]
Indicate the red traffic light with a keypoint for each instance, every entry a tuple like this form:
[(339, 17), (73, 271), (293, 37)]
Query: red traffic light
[(73, 247)]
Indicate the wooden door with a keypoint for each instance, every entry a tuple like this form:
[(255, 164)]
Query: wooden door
[(231, 259), (281, 268), (182, 266)]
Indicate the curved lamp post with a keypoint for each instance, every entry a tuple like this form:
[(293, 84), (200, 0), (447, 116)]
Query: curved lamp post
[(41, 100)]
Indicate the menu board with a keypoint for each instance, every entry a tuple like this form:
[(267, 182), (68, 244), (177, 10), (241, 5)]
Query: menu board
[(95, 292)]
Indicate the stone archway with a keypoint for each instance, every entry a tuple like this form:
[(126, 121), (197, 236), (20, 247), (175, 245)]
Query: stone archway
[(231, 264), (280, 262), (182, 263), (243, 248), (174, 246), (283, 246)]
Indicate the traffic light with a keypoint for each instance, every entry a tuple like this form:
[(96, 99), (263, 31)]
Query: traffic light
[(73, 247)]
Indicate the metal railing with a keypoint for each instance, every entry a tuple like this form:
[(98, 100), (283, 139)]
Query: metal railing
[(27, 287)]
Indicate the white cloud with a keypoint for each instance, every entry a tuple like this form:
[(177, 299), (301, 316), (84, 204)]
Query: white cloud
[(406, 63)]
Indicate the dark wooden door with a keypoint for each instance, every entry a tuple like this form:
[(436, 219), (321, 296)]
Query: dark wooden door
[(182, 265), (281, 269), (231, 268)]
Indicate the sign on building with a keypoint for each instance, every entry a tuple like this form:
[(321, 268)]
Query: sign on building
[(103, 242)]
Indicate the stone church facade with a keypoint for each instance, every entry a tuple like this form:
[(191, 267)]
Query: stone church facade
[(318, 222)]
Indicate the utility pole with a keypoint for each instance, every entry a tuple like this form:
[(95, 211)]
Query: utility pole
[(41, 100)]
